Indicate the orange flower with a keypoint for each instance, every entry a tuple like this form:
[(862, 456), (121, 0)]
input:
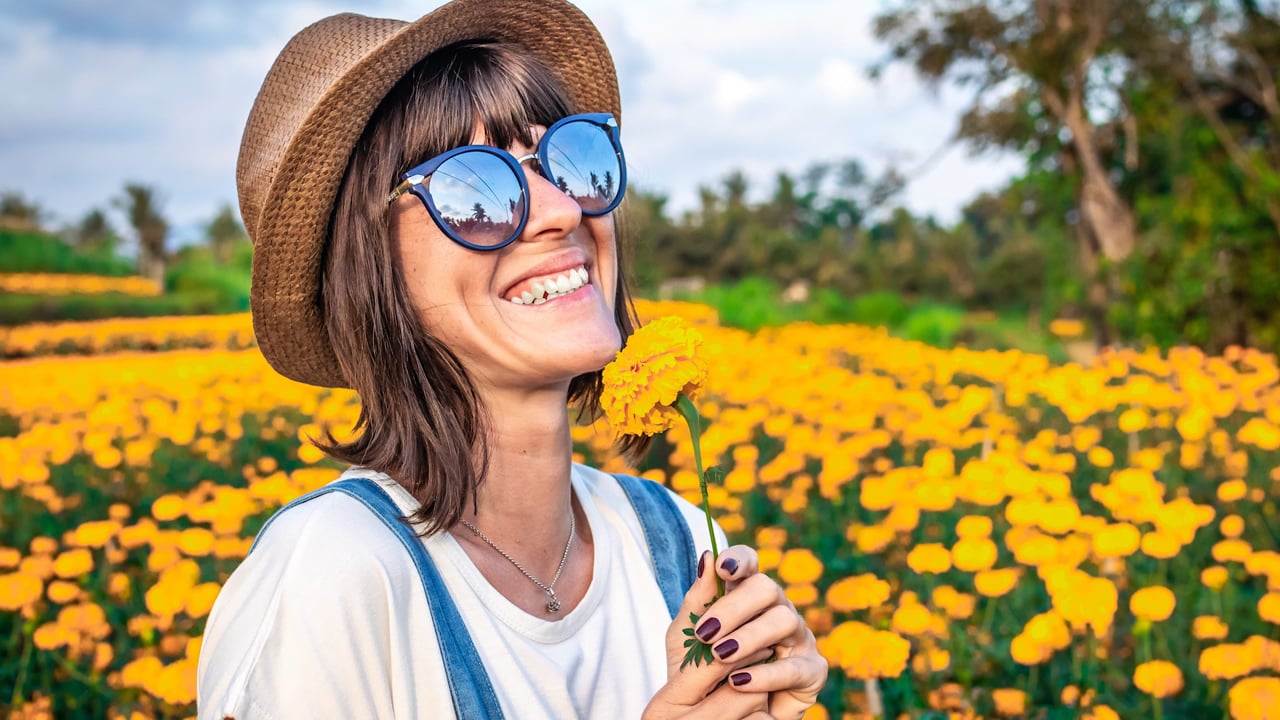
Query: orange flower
[(660, 361), (800, 566), (995, 583), (1158, 678), (1153, 604), (929, 558), (1009, 702)]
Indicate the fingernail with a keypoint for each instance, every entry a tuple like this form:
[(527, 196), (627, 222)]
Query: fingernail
[(702, 564), (741, 678), (726, 648), (708, 630), (729, 565)]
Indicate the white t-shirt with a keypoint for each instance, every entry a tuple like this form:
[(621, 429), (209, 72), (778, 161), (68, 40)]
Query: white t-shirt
[(327, 619)]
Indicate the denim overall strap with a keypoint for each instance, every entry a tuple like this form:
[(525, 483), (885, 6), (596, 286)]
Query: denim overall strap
[(473, 695), (667, 532)]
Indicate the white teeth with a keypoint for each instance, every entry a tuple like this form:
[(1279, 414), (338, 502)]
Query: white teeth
[(546, 289)]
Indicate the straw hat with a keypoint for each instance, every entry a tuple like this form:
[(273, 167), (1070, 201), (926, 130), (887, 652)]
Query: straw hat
[(310, 112)]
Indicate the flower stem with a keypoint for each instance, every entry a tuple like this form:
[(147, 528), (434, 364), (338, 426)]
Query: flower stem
[(690, 413)]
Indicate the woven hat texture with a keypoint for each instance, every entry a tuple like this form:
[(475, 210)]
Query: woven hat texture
[(313, 107)]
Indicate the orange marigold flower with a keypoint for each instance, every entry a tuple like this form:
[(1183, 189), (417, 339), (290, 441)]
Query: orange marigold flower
[(1153, 604), (974, 554), (912, 619), (1009, 702), (1158, 678), (799, 567), (1232, 526), (1269, 607), (995, 583), (929, 558), (1214, 577), (73, 563), (18, 590), (860, 592), (1209, 627), (974, 526), (660, 361), (1255, 698), (1119, 540)]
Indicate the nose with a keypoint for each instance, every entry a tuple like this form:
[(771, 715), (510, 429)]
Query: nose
[(552, 213)]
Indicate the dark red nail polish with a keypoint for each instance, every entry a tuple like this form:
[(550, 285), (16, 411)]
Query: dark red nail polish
[(729, 565), (739, 679), (702, 564), (708, 629), (726, 648)]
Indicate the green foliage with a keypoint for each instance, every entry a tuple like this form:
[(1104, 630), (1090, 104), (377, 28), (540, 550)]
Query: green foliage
[(936, 325), (195, 274), (34, 252), (19, 309)]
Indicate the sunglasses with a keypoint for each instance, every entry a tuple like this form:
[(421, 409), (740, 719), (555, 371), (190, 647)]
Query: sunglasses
[(478, 195)]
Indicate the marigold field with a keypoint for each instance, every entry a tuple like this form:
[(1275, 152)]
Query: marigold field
[(969, 534)]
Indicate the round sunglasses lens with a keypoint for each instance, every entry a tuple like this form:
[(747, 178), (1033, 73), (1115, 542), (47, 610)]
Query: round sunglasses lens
[(478, 196), (584, 164)]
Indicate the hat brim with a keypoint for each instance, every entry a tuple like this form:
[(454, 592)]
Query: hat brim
[(293, 222)]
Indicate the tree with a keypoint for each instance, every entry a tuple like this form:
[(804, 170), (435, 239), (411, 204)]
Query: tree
[(1047, 73), (140, 205), (223, 233), (18, 213), (94, 232)]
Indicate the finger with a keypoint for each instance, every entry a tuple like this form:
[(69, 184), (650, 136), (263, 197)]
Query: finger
[(774, 626), (737, 562), (754, 595), (801, 677), (727, 702)]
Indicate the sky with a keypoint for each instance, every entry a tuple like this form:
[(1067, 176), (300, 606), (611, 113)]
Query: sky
[(155, 91)]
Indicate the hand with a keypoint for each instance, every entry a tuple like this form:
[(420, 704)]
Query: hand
[(751, 623)]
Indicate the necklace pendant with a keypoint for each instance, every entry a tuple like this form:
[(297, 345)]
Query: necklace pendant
[(553, 605)]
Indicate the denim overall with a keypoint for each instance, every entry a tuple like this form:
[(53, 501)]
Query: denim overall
[(670, 545)]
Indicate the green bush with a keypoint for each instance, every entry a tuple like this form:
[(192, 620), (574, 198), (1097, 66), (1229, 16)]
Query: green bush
[(197, 276), (935, 325), (19, 309), (28, 252), (883, 308)]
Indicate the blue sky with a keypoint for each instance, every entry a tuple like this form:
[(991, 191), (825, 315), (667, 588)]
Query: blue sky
[(156, 91)]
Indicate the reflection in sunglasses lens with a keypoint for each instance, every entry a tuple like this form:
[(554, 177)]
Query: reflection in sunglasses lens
[(584, 165), (478, 197)]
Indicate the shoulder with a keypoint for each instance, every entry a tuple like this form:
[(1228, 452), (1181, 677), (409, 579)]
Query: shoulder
[(324, 568)]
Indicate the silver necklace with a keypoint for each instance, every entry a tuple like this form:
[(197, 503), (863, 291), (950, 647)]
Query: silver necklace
[(553, 603)]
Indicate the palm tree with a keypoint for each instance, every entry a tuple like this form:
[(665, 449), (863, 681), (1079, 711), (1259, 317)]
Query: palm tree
[(140, 204)]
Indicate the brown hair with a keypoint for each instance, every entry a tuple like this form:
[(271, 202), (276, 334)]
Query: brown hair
[(421, 420)]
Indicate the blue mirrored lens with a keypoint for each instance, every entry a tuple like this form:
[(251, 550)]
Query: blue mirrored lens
[(583, 164), (478, 197)]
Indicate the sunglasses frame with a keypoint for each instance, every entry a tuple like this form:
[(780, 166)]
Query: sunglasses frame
[(414, 181)]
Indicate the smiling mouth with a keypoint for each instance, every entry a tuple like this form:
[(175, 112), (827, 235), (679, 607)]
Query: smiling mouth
[(539, 290)]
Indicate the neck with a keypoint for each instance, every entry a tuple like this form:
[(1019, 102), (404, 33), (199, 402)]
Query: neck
[(526, 494)]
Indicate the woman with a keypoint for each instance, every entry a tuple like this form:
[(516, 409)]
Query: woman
[(430, 204)]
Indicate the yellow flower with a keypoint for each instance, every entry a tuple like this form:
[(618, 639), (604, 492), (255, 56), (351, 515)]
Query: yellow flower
[(1269, 607), (1255, 698), (1158, 678), (974, 554), (1232, 526), (1119, 540), (73, 563), (1209, 627), (1009, 702), (974, 526), (1101, 712), (912, 619), (995, 583), (1214, 577), (800, 567), (19, 589), (660, 361), (860, 592), (864, 652), (1226, 662), (1153, 604), (929, 558)]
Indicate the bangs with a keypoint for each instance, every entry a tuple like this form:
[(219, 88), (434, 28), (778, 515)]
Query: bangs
[(495, 86)]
